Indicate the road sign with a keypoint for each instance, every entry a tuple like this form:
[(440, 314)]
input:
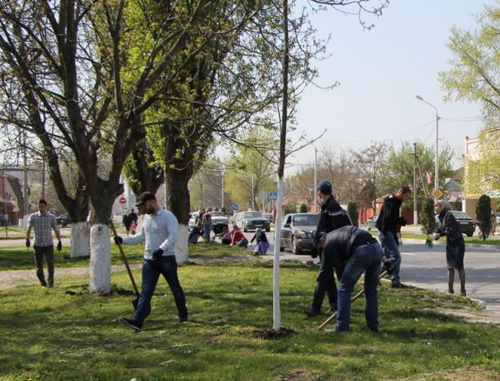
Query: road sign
[(234, 206), (273, 195), (122, 200), (437, 193)]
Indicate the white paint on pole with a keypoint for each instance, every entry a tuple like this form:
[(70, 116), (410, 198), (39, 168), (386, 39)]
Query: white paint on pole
[(276, 265), (80, 240), (100, 259)]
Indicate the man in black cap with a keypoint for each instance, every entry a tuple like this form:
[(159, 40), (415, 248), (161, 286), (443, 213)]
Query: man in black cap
[(160, 231), (332, 217)]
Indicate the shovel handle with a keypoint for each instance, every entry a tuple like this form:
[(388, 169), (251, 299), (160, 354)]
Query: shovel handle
[(357, 296), (115, 234)]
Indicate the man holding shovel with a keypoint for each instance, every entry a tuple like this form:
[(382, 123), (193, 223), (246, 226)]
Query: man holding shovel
[(352, 251), (160, 231)]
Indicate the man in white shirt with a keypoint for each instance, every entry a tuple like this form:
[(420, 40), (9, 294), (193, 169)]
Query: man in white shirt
[(160, 231), (43, 223)]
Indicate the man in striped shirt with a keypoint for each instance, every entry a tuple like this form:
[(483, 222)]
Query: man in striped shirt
[(43, 222)]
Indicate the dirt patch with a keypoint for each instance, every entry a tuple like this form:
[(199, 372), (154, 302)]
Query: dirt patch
[(299, 375), (271, 334)]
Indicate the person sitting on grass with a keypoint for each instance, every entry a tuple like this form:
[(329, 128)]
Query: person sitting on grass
[(238, 238), (262, 242)]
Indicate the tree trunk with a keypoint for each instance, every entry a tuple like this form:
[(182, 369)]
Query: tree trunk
[(178, 199), (80, 240), (100, 259)]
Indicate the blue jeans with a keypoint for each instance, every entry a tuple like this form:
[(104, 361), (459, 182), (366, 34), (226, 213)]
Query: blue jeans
[(391, 251), (366, 259), (151, 270), (206, 232)]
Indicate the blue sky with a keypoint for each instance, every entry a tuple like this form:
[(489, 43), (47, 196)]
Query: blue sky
[(381, 71)]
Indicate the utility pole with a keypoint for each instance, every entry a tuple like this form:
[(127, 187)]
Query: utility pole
[(253, 195), (26, 201), (415, 210)]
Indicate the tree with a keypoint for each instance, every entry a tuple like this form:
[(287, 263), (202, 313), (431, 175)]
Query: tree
[(427, 218), (303, 208), (352, 210), (483, 215), (66, 73), (398, 169), (473, 74), (251, 170)]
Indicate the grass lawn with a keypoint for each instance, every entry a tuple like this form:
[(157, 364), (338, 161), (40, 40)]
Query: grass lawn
[(67, 334)]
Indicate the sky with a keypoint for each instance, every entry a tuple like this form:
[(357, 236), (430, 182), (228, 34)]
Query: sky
[(380, 73)]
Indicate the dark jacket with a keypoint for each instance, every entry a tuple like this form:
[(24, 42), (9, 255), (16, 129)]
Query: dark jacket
[(389, 219), (331, 217), (341, 243), (449, 227), (260, 238)]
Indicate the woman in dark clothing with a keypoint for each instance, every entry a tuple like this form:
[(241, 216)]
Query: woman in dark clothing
[(455, 246)]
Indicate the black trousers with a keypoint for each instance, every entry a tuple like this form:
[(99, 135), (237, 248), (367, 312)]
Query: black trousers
[(325, 284), (48, 252)]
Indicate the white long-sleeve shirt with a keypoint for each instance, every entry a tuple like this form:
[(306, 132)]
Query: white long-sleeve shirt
[(159, 230)]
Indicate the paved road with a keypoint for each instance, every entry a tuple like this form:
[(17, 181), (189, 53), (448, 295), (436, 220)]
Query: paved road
[(426, 268)]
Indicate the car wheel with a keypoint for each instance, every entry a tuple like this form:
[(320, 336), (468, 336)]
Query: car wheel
[(295, 249), (369, 229), (245, 229), (268, 229)]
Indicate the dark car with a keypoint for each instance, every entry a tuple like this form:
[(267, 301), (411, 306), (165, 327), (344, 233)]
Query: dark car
[(297, 232), (63, 220), (467, 224), (251, 221)]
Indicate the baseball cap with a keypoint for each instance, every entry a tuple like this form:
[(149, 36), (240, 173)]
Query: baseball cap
[(325, 187), (146, 196)]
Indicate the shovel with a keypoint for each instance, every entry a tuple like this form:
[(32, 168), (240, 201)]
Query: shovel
[(136, 291), (357, 296)]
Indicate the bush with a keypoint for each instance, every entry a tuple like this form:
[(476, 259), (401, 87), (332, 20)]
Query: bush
[(289, 208), (303, 208), (427, 218), (483, 216), (352, 210)]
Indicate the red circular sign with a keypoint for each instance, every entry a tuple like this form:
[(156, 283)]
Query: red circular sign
[(123, 200)]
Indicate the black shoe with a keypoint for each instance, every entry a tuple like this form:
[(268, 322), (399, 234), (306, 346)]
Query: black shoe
[(132, 324), (374, 330), (397, 285), (183, 319), (311, 312)]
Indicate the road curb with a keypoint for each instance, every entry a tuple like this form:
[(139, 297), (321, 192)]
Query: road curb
[(443, 243)]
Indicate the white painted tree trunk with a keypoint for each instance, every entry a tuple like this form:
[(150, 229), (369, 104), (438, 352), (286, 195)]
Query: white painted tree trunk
[(181, 248), (100, 259), (80, 240)]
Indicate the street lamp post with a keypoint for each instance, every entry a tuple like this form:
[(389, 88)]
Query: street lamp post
[(436, 155)]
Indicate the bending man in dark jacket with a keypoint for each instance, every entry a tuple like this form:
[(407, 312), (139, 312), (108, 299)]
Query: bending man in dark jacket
[(387, 223), (332, 217), (352, 251)]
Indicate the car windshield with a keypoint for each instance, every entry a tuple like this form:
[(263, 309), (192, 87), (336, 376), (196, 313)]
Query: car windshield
[(217, 214), (306, 219), (252, 215), (460, 214)]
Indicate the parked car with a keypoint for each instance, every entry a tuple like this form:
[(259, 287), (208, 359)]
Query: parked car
[(467, 224), (497, 216), (219, 219), (63, 220), (269, 216), (370, 223), (251, 221), (297, 232), (193, 219)]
